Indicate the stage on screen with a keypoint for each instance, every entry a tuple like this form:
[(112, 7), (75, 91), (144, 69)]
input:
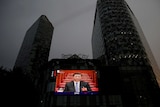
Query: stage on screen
[(76, 82)]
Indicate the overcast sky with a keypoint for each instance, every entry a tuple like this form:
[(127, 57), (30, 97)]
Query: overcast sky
[(73, 22)]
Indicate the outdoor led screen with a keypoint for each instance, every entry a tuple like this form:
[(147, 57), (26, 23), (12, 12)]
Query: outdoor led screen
[(76, 82)]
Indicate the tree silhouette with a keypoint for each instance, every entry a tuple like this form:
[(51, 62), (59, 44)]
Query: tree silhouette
[(17, 89)]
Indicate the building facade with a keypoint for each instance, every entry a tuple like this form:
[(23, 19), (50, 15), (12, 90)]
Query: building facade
[(118, 86), (34, 52), (72, 64), (118, 40)]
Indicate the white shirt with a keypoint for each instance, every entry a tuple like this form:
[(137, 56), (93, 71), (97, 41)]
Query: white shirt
[(78, 86)]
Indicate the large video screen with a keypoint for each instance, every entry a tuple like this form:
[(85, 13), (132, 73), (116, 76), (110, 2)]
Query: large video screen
[(76, 82)]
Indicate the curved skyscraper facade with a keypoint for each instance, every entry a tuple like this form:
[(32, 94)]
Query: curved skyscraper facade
[(118, 39), (115, 37)]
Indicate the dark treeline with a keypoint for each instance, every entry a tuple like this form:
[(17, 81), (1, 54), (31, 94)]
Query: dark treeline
[(17, 89)]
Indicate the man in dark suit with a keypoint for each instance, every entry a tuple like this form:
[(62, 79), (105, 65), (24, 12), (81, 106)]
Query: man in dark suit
[(77, 85)]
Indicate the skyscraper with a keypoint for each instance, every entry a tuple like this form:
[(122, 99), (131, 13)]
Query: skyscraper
[(117, 37), (118, 41), (35, 48)]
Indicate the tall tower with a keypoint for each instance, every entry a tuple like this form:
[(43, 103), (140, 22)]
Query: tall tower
[(35, 48), (118, 40), (117, 37)]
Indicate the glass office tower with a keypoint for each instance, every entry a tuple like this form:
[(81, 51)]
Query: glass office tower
[(34, 52), (118, 38), (115, 37), (118, 41)]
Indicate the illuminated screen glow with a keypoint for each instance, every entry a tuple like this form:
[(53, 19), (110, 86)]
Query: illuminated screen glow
[(63, 77)]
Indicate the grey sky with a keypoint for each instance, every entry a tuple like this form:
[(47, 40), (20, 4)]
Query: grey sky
[(73, 22)]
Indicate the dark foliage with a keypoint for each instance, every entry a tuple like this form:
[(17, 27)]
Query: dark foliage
[(16, 89)]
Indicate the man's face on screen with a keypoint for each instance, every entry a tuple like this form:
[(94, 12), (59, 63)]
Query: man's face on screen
[(77, 77)]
